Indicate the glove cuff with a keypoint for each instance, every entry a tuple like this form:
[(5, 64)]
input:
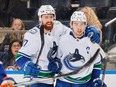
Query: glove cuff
[(26, 64), (96, 79)]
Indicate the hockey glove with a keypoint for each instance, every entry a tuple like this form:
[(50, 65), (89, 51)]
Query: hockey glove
[(93, 34), (55, 65), (31, 69), (98, 83)]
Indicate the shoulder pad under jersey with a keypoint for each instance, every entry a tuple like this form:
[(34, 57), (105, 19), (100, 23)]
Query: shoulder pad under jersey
[(57, 22), (33, 31)]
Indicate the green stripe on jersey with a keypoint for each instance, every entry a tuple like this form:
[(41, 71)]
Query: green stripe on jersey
[(98, 66), (76, 80), (18, 56), (44, 74)]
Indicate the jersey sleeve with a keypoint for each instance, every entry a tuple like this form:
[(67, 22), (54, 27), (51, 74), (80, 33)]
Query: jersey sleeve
[(21, 60), (29, 43), (2, 73), (98, 62), (29, 48)]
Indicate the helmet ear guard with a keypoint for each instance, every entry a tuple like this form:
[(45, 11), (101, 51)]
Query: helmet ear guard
[(46, 9), (78, 16)]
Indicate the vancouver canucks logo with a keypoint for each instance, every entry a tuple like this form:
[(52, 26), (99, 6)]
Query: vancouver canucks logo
[(52, 51), (71, 59)]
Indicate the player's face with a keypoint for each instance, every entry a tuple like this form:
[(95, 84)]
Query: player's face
[(47, 21), (78, 28)]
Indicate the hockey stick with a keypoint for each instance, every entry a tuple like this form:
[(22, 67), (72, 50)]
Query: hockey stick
[(70, 73), (33, 81), (85, 65), (42, 42), (110, 22), (104, 71)]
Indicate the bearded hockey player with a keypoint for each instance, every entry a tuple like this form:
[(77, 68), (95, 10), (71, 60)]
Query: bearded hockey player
[(33, 56)]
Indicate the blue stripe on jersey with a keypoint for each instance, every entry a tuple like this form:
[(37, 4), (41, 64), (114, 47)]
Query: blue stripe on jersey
[(21, 60), (95, 74), (2, 73)]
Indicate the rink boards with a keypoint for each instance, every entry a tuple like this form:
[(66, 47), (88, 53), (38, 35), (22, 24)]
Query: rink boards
[(110, 77)]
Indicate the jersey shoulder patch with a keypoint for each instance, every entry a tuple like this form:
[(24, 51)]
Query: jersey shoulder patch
[(58, 22), (33, 31)]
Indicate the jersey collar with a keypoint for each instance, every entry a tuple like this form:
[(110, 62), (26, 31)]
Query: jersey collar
[(72, 34)]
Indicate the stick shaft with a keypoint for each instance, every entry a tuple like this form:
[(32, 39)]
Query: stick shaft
[(110, 22), (33, 81), (104, 72), (62, 75)]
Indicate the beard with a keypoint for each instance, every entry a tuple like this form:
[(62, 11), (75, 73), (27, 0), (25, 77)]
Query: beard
[(48, 26)]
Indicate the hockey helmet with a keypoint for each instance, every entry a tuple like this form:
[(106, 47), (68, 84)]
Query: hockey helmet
[(78, 16), (46, 9)]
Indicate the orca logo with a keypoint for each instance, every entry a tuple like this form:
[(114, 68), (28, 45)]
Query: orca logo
[(71, 58), (52, 51)]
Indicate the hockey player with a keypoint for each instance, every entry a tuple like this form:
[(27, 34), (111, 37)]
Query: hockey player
[(4, 80), (77, 50), (28, 56)]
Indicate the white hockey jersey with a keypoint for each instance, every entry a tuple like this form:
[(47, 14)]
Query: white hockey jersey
[(74, 53), (32, 44)]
